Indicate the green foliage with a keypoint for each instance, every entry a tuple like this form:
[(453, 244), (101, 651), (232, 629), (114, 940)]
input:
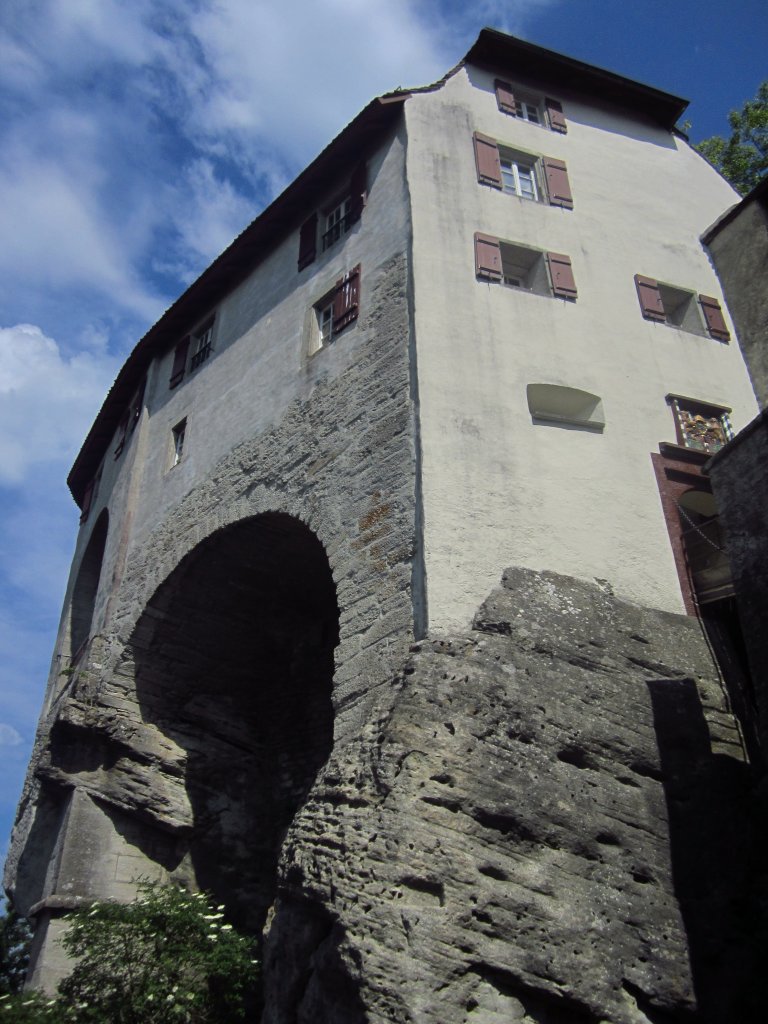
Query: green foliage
[(30, 1008), (14, 951), (167, 958), (742, 159)]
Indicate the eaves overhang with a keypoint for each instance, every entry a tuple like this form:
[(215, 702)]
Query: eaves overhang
[(504, 53), (252, 246)]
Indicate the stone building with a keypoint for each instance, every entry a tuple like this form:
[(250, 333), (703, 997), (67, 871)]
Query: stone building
[(380, 623)]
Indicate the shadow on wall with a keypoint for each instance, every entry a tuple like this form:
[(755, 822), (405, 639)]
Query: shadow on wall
[(234, 662), (715, 846)]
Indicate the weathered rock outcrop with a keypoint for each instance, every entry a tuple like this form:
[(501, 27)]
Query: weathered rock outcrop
[(545, 820)]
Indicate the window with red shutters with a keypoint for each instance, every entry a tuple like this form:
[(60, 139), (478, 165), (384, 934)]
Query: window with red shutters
[(336, 310), (520, 266), (179, 362), (335, 220), (520, 174), (679, 307)]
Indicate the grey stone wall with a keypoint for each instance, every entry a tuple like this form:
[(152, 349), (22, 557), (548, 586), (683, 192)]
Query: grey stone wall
[(739, 476), (547, 820), (340, 466), (739, 252)]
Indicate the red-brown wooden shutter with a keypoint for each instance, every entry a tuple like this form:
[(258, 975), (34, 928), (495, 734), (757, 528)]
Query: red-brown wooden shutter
[(487, 160), (650, 298), (308, 241), (487, 257), (555, 114), (179, 362), (713, 315), (558, 186), (122, 430), (357, 193), (505, 97), (561, 272), (87, 498), (346, 300)]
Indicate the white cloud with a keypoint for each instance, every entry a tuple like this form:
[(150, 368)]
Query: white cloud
[(47, 402), (9, 737)]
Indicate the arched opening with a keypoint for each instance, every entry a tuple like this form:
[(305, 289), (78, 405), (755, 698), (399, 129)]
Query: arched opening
[(86, 587), (234, 662)]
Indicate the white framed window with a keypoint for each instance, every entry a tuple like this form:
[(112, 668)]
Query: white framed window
[(178, 435), (518, 176), (324, 313), (337, 222), (528, 111)]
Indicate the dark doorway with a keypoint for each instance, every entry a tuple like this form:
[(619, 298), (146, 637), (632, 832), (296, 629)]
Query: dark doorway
[(234, 662)]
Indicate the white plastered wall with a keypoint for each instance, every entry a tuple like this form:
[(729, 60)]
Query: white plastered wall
[(498, 489)]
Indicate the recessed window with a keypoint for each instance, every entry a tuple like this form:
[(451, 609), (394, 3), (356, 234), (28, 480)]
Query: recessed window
[(555, 403), (202, 342), (540, 178), (536, 110), (678, 307), (178, 435), (700, 426), (336, 310), (337, 222), (520, 266), (518, 176), (332, 223)]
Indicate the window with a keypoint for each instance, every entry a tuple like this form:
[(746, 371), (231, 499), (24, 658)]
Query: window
[(555, 403), (336, 310), (130, 418), (520, 266), (699, 425), (521, 173), (202, 341), (178, 435), (528, 108), (336, 221), (668, 304), (518, 177)]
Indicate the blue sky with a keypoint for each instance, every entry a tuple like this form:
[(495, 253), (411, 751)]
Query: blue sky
[(139, 138)]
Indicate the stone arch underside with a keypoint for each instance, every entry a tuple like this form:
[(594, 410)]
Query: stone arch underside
[(234, 663)]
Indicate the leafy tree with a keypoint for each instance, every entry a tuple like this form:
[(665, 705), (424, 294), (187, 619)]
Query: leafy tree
[(742, 159), (14, 950), (167, 958)]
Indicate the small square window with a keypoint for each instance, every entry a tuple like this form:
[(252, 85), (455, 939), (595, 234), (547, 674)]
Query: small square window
[(524, 268), (702, 427), (178, 435)]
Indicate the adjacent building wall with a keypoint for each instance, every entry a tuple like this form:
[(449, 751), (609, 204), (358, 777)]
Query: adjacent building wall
[(499, 488), (738, 245)]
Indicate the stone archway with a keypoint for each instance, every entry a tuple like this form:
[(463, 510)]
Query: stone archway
[(234, 662)]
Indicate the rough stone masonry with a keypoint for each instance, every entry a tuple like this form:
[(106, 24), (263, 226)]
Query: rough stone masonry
[(545, 820)]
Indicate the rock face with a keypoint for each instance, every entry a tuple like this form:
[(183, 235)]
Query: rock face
[(545, 820)]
